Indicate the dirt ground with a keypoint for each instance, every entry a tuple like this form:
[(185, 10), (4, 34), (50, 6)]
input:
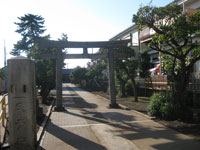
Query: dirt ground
[(191, 129)]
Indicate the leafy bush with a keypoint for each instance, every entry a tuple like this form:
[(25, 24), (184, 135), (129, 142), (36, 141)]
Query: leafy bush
[(162, 105)]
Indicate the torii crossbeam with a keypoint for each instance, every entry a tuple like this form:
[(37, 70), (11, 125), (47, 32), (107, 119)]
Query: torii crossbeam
[(59, 45)]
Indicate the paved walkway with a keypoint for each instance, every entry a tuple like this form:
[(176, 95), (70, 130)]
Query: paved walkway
[(88, 124)]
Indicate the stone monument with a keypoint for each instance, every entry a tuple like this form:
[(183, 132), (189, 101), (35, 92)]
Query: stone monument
[(21, 104)]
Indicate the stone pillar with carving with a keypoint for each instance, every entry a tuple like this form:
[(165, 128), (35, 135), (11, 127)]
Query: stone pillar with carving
[(21, 104)]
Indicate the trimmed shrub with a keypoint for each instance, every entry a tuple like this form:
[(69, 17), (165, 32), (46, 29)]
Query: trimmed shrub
[(162, 105)]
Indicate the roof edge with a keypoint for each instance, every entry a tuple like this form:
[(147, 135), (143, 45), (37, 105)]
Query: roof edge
[(127, 30)]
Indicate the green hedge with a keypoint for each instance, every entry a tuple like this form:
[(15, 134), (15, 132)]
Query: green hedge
[(162, 105)]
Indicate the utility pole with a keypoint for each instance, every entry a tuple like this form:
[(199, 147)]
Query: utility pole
[(4, 53)]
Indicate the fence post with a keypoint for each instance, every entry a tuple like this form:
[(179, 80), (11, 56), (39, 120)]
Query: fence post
[(21, 104)]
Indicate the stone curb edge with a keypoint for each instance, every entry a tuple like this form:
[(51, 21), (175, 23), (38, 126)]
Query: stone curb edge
[(127, 108), (44, 123), (139, 113)]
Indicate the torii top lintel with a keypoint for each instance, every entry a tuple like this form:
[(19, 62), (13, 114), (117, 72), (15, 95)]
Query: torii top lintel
[(72, 44)]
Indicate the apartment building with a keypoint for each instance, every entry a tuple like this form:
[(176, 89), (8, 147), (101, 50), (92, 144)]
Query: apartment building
[(140, 39), (130, 33), (145, 36)]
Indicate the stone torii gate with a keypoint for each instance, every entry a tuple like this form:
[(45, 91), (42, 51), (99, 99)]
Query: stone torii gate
[(59, 56)]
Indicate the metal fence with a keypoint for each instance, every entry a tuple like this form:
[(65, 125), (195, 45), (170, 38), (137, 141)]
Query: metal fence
[(194, 84)]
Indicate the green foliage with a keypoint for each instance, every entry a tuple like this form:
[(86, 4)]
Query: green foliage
[(78, 75), (96, 76), (174, 37), (129, 88), (2, 73), (126, 68), (45, 77), (64, 37), (31, 27), (145, 65), (162, 105), (121, 80)]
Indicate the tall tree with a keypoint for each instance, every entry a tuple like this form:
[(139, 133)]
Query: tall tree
[(78, 75), (96, 75), (45, 73), (2, 73), (122, 78), (145, 65), (176, 36), (128, 65), (31, 27)]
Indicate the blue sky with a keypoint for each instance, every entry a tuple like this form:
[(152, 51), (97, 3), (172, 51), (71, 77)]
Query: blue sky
[(82, 20)]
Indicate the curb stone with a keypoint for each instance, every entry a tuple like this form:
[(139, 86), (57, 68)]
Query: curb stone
[(127, 108), (44, 123)]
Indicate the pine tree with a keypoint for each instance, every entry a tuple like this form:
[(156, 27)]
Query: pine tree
[(29, 27)]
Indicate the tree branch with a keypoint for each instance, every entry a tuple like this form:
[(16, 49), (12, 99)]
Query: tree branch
[(164, 52), (173, 67), (189, 49)]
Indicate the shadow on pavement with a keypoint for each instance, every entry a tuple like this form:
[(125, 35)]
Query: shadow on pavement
[(134, 131), (142, 134), (72, 139), (77, 102)]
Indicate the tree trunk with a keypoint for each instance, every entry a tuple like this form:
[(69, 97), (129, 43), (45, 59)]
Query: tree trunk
[(44, 93), (180, 94), (122, 85), (134, 89), (180, 91), (123, 90)]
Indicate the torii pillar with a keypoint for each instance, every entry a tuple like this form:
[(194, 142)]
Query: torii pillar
[(59, 60), (111, 72)]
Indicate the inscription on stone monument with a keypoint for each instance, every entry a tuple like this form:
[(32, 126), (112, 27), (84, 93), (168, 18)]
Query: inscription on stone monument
[(21, 103)]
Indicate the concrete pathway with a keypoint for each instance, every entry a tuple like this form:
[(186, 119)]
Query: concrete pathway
[(88, 124)]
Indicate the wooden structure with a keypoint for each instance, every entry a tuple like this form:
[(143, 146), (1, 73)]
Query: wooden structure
[(59, 56), (160, 82)]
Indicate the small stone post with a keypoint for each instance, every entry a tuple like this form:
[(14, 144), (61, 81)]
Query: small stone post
[(112, 94), (59, 60), (21, 104)]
